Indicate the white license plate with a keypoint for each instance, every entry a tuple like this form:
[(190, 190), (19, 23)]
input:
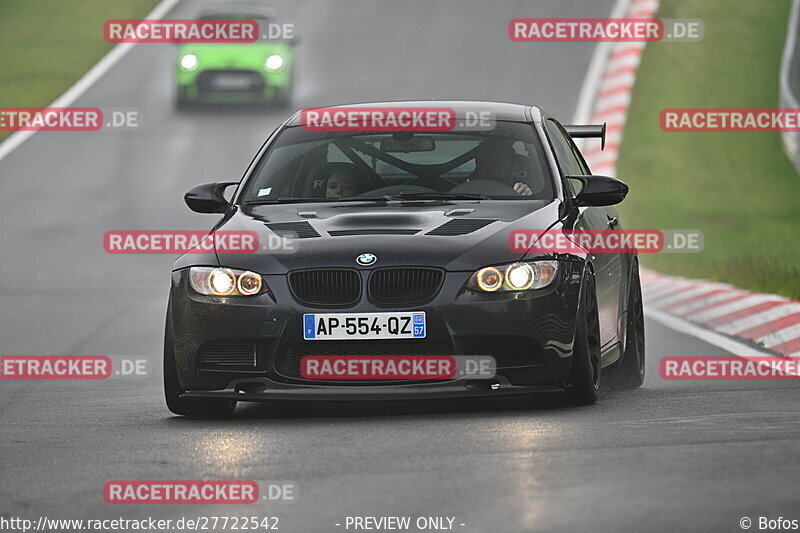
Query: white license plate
[(231, 82), (350, 326)]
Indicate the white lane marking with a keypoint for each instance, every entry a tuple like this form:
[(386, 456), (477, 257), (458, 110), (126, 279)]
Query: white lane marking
[(711, 337), (759, 319), (738, 305), (14, 140)]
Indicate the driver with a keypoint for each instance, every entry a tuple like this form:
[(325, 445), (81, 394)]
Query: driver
[(494, 160), (341, 183)]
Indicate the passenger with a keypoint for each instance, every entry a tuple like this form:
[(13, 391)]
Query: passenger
[(520, 167)]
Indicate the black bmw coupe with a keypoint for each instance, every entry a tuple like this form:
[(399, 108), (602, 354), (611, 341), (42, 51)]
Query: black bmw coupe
[(395, 243)]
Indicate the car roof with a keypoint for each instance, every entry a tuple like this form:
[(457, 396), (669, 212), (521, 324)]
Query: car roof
[(242, 9), (499, 110)]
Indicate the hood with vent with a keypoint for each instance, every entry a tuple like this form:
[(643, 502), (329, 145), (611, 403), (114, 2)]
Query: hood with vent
[(456, 236)]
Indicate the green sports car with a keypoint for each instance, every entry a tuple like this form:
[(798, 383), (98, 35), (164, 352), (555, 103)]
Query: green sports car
[(257, 72)]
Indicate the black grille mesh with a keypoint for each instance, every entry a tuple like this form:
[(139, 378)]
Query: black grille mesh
[(404, 286), (205, 80), (228, 354), (326, 287)]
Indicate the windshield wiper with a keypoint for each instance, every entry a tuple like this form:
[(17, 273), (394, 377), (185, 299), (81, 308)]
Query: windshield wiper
[(382, 198), (288, 200), (421, 196), (442, 196)]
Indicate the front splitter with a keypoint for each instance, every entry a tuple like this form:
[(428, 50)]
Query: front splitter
[(265, 389)]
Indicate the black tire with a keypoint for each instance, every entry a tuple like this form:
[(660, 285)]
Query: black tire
[(283, 99), (583, 383), (191, 407), (629, 371), (182, 102)]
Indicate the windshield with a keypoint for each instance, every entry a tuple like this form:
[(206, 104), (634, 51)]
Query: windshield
[(262, 21), (506, 163)]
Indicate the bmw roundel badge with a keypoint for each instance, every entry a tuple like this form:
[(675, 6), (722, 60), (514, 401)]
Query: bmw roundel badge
[(366, 259)]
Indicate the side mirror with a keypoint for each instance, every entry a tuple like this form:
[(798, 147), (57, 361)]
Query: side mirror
[(599, 191), (208, 198)]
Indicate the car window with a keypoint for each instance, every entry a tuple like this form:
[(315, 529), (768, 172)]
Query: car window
[(568, 162), (333, 164), (575, 151)]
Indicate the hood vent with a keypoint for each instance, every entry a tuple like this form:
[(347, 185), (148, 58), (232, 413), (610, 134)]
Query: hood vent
[(460, 226), (459, 212), (294, 230), (390, 231)]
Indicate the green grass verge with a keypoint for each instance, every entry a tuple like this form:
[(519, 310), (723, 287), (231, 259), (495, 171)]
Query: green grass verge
[(47, 46), (738, 188)]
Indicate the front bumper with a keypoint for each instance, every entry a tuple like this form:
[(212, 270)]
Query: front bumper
[(206, 86), (529, 334), (264, 389)]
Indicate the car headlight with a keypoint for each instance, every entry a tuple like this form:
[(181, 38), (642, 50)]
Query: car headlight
[(222, 281), (274, 63), (188, 62), (520, 276)]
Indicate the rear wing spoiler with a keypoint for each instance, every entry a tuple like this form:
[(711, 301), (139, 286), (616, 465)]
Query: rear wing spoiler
[(597, 131)]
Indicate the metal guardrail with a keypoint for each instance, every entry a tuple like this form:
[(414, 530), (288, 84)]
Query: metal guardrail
[(790, 82)]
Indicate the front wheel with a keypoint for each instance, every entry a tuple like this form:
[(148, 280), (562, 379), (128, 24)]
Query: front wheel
[(191, 407), (182, 101), (283, 98), (583, 383)]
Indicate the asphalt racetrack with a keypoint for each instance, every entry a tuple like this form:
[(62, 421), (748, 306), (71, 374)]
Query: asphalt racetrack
[(673, 455)]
